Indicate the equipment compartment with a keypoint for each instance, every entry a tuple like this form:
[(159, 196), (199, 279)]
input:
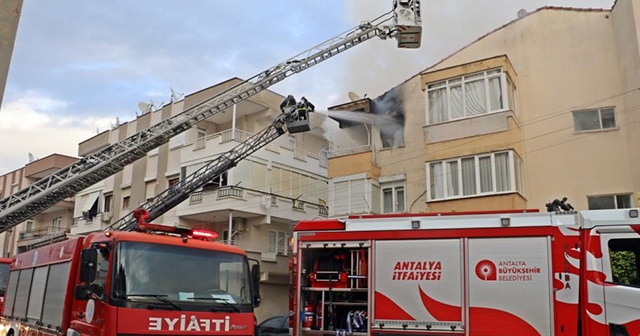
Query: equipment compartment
[(334, 280)]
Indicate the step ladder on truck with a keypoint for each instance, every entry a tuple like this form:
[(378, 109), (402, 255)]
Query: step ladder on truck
[(139, 278)]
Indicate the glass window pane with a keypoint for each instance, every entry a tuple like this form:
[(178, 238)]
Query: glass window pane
[(495, 94), (400, 199), (435, 85), (601, 202), (438, 106), (453, 184), (468, 176), (474, 76), (387, 200), (586, 120), (494, 71), (510, 91), (623, 201), (457, 102), (272, 241), (503, 172), (475, 98), (623, 254), (608, 118), (486, 177), (436, 184)]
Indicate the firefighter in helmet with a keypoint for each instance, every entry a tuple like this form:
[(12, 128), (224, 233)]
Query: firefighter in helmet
[(303, 109), (287, 102)]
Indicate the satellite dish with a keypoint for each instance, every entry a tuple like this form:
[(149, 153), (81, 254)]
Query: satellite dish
[(144, 107), (353, 96), (175, 96), (31, 158), (522, 13)]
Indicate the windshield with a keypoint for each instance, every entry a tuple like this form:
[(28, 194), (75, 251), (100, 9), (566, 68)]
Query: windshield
[(4, 277), (161, 273)]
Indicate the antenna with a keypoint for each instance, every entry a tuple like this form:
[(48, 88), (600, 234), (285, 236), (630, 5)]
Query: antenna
[(31, 158), (353, 96)]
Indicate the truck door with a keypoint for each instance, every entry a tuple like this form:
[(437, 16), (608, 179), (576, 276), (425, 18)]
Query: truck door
[(509, 286), (621, 265)]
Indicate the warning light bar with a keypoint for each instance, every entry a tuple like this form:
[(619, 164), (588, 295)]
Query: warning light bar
[(204, 234)]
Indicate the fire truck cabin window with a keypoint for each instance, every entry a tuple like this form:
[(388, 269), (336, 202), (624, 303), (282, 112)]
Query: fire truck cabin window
[(102, 268), (624, 254)]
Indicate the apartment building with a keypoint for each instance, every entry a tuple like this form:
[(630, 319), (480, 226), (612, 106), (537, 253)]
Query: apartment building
[(253, 205), (543, 107), (46, 227)]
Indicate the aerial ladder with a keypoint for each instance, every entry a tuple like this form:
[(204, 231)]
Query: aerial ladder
[(405, 28), (180, 191)]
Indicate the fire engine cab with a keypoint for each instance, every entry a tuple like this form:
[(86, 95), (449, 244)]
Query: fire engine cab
[(484, 273), (165, 280)]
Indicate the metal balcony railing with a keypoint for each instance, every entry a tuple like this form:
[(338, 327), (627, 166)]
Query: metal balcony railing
[(39, 232), (230, 191)]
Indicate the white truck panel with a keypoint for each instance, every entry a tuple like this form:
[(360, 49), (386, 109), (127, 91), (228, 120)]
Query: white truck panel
[(510, 284), (418, 283)]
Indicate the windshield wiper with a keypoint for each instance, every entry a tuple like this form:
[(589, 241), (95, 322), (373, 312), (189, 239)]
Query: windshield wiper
[(159, 297), (224, 301)]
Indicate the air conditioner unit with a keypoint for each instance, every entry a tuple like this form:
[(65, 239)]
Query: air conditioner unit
[(106, 217)]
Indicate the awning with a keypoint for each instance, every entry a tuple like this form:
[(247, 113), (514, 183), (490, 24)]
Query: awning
[(86, 202)]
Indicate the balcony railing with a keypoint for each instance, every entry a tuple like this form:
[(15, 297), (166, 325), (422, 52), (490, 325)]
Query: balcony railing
[(323, 211), (39, 232), (230, 191)]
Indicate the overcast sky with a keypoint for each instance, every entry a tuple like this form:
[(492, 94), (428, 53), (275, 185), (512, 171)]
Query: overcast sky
[(79, 65)]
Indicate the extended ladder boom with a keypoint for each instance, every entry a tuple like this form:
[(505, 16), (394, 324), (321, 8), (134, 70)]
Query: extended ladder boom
[(96, 167), (177, 193)]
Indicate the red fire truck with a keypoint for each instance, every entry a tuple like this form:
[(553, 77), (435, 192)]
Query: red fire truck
[(482, 273), (172, 281)]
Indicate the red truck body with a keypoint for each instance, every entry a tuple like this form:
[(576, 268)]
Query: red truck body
[(95, 285), (482, 273)]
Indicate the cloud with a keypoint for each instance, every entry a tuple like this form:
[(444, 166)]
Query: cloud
[(28, 126)]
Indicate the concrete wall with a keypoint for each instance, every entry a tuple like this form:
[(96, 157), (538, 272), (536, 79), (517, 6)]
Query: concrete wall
[(570, 60), (10, 11)]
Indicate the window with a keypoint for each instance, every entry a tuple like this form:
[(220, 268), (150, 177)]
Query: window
[(621, 201), (97, 286), (125, 202), (292, 141), (173, 181), (29, 225), (623, 254), (324, 158), (350, 195), (392, 197), (594, 119), (484, 174), (108, 202), (278, 242), (468, 96), (56, 224), (216, 183)]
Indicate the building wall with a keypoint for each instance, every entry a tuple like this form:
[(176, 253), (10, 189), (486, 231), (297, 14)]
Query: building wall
[(10, 11), (568, 60)]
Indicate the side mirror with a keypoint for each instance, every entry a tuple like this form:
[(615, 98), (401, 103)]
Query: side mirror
[(88, 265), (255, 282)]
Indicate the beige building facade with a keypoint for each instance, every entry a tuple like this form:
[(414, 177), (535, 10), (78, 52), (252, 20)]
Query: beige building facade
[(254, 205), (48, 226), (544, 107)]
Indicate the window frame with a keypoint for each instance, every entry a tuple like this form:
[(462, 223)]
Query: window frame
[(279, 236), (507, 93), (515, 176), (615, 200), (600, 119), (395, 187)]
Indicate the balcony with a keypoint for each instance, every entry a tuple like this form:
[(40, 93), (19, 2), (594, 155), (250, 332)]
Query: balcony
[(29, 239)]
